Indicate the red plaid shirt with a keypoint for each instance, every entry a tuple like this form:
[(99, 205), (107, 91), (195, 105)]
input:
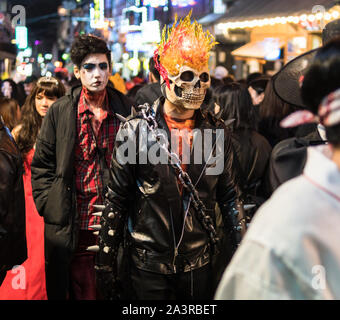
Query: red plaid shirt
[(89, 182)]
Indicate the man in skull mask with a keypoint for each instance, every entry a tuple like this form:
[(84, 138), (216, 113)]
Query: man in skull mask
[(165, 209)]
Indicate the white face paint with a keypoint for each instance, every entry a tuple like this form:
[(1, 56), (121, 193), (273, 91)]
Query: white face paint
[(7, 89), (188, 88), (94, 72)]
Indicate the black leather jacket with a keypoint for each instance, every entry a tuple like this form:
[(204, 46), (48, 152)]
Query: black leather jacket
[(12, 204), (148, 196)]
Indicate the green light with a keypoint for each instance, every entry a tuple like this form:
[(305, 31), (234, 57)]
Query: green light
[(65, 56)]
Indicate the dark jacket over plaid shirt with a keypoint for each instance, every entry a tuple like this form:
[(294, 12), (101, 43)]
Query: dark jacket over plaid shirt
[(54, 184), (89, 182)]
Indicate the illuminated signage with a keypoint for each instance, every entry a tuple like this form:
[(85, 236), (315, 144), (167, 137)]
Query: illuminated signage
[(163, 3), (183, 3), (151, 31), (272, 49), (155, 3), (125, 24), (21, 37), (97, 14)]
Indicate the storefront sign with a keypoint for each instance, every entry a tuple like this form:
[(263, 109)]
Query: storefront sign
[(97, 14), (21, 37)]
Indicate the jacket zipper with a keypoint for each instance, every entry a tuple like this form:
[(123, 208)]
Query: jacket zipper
[(174, 240)]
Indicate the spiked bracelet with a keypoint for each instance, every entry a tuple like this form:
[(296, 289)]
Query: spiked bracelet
[(235, 221), (108, 237)]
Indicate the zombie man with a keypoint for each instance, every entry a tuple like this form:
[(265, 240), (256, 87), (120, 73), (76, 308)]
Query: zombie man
[(163, 204), (73, 152)]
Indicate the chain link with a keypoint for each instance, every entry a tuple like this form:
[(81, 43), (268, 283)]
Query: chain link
[(184, 178)]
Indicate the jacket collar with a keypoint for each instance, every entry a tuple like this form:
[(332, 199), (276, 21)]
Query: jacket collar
[(116, 103), (321, 170), (157, 107), (201, 122)]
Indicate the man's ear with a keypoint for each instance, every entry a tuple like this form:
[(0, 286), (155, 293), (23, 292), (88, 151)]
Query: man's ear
[(152, 78), (76, 72)]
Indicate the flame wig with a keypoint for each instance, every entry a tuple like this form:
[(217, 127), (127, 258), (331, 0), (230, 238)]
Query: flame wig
[(183, 44)]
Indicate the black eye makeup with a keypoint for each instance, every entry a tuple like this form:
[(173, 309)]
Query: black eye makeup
[(91, 66)]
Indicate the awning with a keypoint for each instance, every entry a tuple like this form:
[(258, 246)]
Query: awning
[(256, 9), (268, 49), (210, 18)]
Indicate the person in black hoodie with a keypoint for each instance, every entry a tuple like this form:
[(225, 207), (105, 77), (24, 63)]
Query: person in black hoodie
[(12, 204), (69, 169)]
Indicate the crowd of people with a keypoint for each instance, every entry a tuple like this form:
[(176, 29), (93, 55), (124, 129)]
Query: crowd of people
[(85, 225)]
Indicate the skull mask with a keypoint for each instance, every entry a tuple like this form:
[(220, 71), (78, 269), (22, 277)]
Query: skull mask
[(188, 88)]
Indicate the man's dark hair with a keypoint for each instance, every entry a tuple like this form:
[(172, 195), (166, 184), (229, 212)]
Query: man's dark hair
[(84, 45), (153, 69), (322, 78)]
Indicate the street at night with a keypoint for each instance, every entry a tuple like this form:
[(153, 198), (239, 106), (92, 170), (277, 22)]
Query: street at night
[(170, 156)]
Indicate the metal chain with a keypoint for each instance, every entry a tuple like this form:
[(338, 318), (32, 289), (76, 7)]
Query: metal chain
[(184, 178)]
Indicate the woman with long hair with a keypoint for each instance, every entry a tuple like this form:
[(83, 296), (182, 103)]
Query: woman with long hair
[(252, 149), (272, 110), (27, 282)]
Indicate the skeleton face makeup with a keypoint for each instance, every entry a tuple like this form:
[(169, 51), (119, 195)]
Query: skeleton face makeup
[(188, 88), (182, 61)]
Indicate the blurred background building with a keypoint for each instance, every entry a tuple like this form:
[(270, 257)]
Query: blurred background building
[(253, 35)]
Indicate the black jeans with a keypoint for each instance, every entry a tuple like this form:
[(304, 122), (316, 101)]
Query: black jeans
[(192, 285)]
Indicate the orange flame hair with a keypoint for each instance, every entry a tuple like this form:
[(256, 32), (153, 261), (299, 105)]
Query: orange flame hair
[(183, 44)]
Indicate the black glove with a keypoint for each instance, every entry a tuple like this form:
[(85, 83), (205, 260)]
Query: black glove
[(235, 221)]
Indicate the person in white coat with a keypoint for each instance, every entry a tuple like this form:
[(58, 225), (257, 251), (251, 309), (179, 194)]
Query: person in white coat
[(291, 250)]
